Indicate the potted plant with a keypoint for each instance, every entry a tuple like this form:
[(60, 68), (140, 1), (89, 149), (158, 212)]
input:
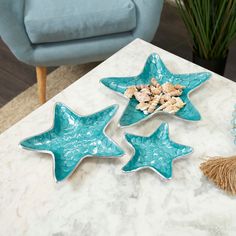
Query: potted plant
[(212, 27)]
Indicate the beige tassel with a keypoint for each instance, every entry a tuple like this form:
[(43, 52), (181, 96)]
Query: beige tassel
[(222, 171)]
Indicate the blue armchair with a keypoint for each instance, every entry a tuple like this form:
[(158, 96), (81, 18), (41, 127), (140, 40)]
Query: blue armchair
[(57, 32)]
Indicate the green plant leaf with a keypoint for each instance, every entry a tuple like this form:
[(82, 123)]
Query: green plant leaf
[(211, 25)]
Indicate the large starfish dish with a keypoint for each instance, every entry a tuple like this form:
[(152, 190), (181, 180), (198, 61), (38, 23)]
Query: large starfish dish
[(156, 151), (74, 137), (155, 68)]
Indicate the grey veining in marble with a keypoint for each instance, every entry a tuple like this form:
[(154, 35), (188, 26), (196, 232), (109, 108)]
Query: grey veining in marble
[(100, 199)]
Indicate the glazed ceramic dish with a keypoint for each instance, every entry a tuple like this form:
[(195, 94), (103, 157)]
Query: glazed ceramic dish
[(155, 68), (156, 152), (74, 137)]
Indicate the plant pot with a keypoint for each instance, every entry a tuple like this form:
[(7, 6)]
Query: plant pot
[(215, 65)]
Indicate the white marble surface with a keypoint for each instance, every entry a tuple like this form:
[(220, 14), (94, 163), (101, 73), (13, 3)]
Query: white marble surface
[(98, 199)]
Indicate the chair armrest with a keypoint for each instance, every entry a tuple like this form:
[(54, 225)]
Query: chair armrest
[(148, 18), (12, 29)]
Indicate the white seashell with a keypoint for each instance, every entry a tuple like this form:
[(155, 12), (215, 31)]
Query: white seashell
[(146, 90), (155, 90), (142, 97), (179, 102), (171, 109), (142, 106), (164, 98), (168, 87), (179, 86), (175, 93), (152, 106), (154, 82), (129, 93)]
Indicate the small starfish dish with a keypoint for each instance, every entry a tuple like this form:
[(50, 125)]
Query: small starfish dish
[(156, 151), (155, 68), (74, 137)]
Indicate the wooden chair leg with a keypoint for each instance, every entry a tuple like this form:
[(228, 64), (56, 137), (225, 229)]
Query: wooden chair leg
[(41, 73)]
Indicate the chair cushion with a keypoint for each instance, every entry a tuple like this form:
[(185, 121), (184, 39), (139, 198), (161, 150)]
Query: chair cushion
[(59, 20)]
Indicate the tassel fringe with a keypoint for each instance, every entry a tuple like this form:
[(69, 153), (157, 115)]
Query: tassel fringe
[(222, 171)]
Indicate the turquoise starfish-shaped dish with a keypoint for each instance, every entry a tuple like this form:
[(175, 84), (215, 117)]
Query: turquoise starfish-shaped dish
[(156, 151), (74, 137), (155, 68)]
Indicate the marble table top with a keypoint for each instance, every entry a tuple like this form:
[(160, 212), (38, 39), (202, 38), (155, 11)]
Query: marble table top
[(99, 199)]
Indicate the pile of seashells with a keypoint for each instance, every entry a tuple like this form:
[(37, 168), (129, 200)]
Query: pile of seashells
[(157, 97)]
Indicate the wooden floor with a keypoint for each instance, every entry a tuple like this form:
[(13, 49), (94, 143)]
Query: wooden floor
[(15, 76)]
